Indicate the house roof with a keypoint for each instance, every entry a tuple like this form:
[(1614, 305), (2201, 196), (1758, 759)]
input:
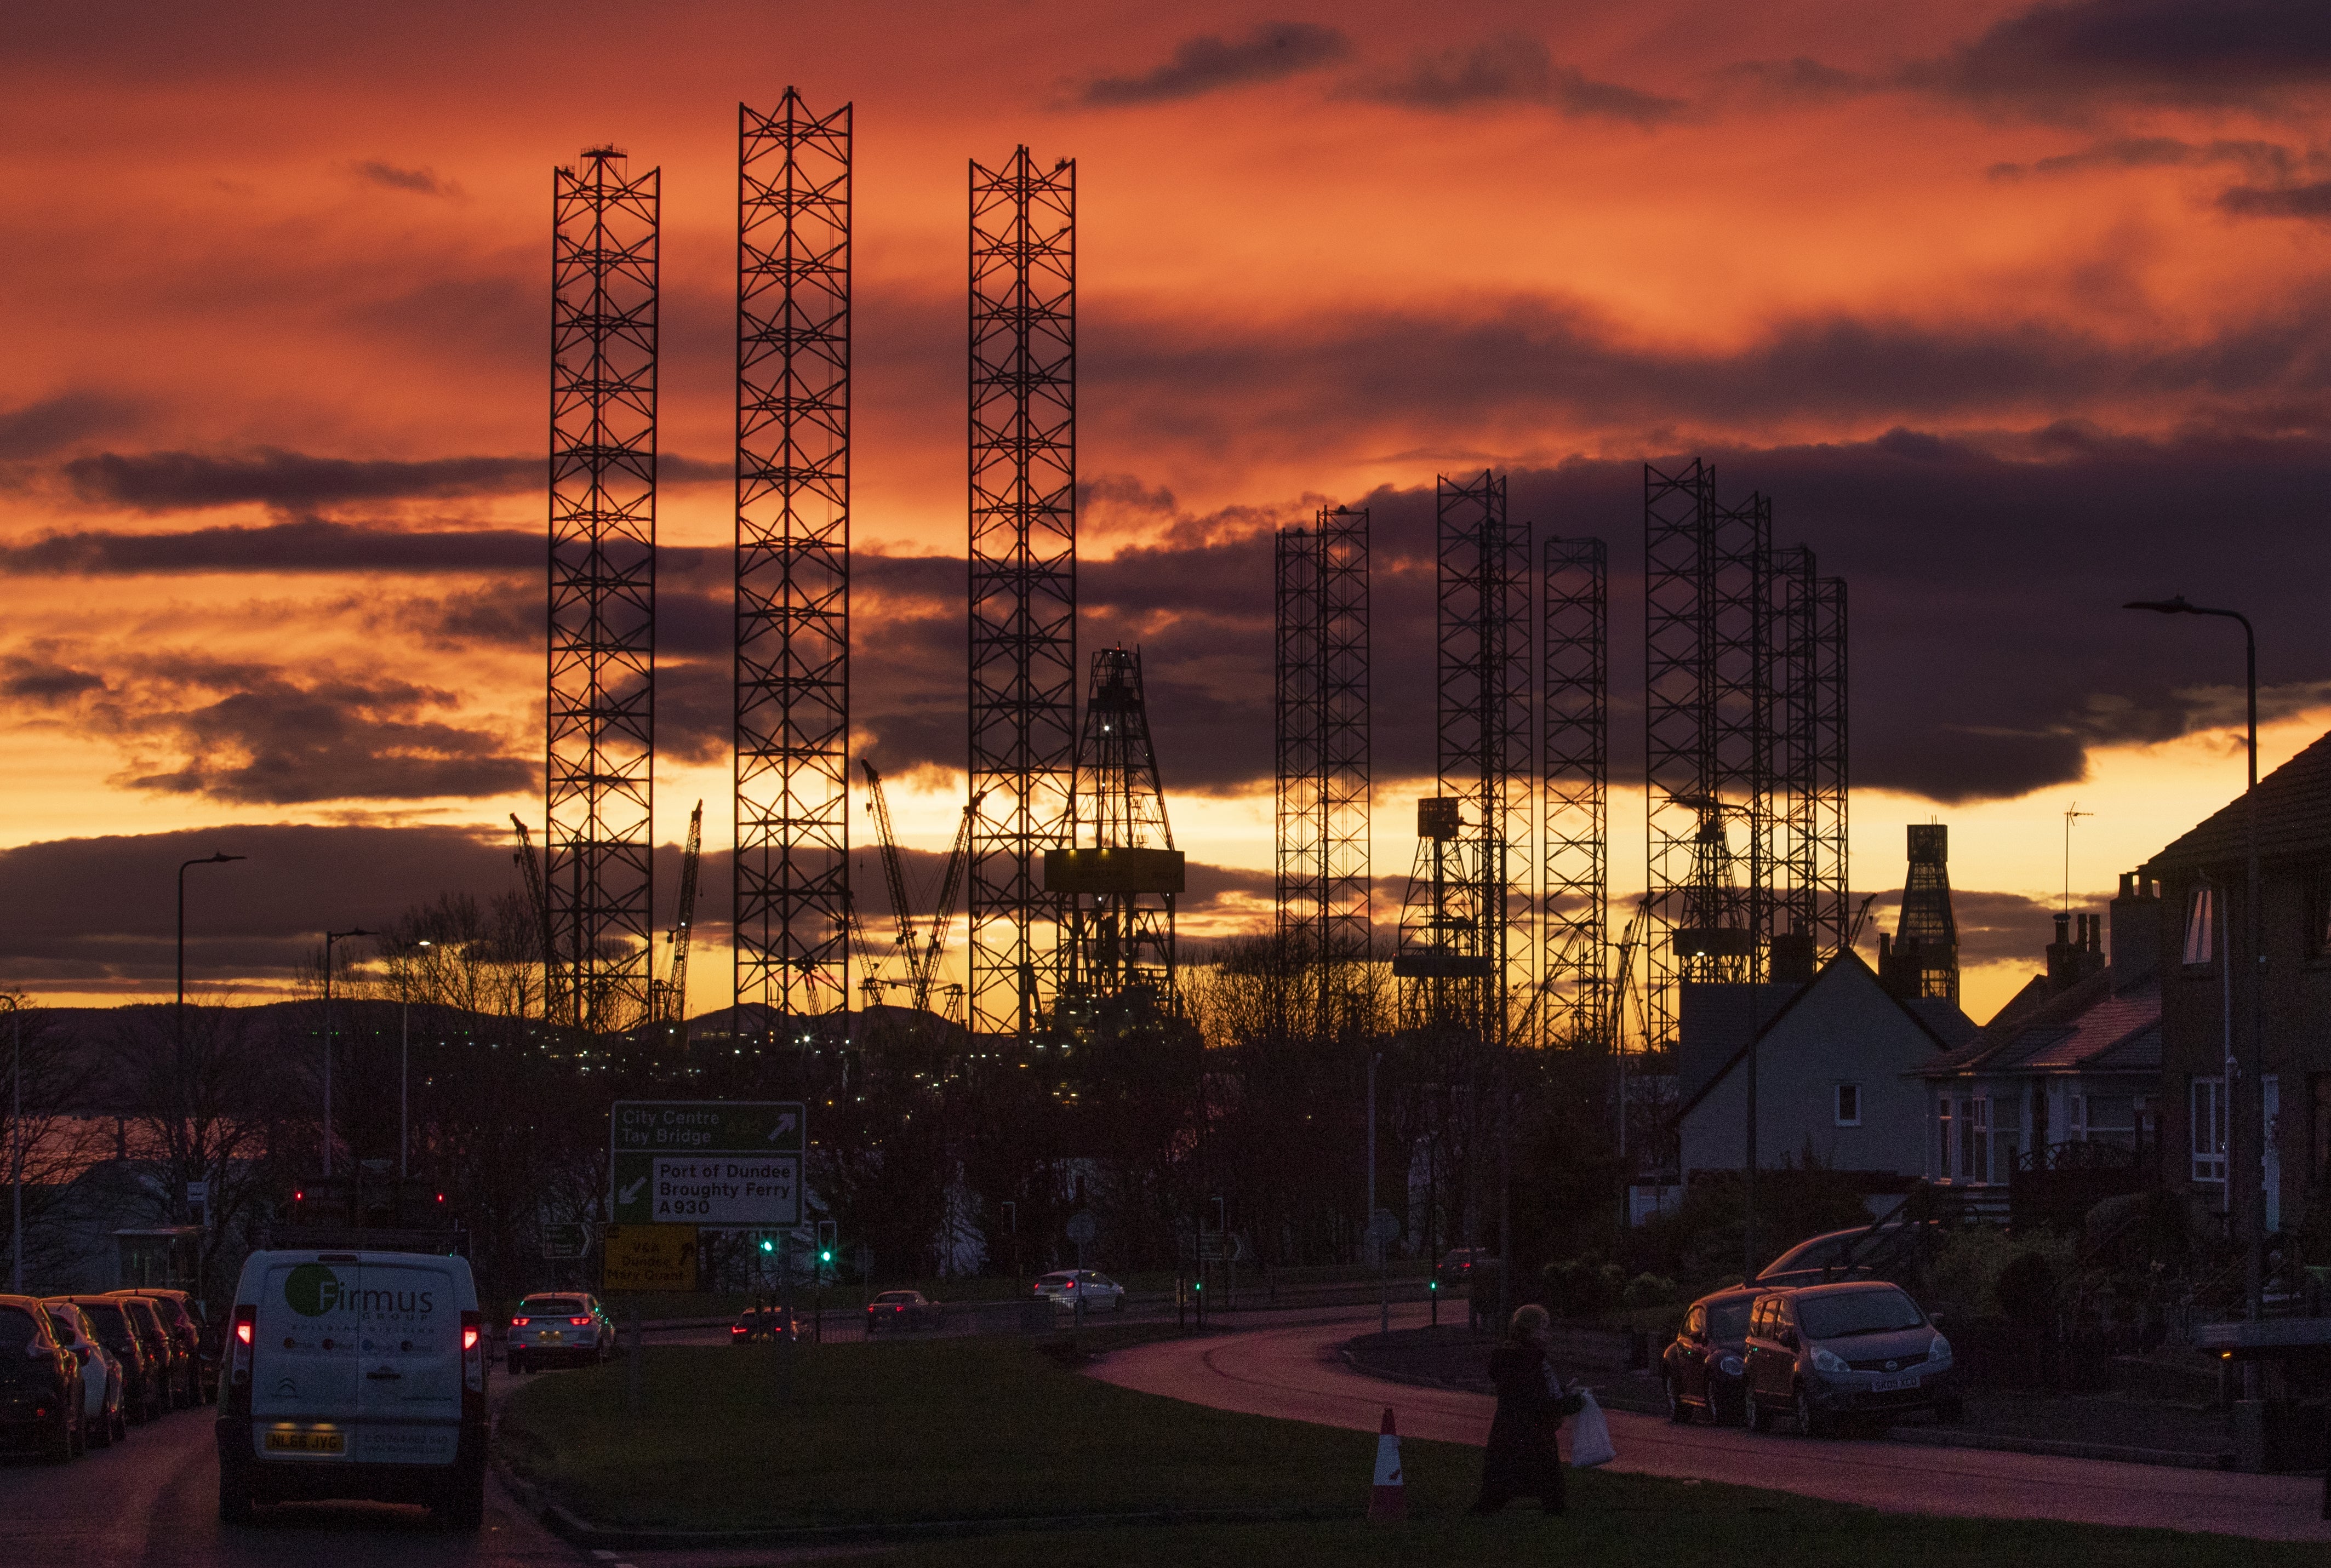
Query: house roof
[(2087, 1028), (1936, 1028), (2294, 817)]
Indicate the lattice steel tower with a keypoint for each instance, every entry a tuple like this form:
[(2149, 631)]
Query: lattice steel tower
[(1574, 888), (1118, 877), (1485, 740), (600, 713), (1922, 960), (792, 563), (1322, 690), (1023, 575)]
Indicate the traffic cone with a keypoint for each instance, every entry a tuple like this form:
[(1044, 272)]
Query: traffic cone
[(1389, 1500)]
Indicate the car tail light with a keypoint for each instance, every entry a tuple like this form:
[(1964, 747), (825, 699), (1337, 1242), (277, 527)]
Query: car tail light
[(520, 1322), (246, 1329), (474, 1355), (580, 1321)]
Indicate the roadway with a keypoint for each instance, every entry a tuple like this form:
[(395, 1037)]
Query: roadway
[(1289, 1368)]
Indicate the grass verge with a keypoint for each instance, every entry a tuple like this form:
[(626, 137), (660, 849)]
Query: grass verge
[(970, 1430)]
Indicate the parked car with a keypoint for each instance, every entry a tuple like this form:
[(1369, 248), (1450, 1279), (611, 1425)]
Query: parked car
[(565, 1325), (40, 1383), (144, 1394), (1704, 1367), (1456, 1265), (895, 1309), (101, 1375), (1860, 1351), (765, 1325), (354, 1374), (1067, 1288), (174, 1364), (188, 1352)]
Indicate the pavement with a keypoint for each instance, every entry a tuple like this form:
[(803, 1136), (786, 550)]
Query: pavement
[(1293, 1368)]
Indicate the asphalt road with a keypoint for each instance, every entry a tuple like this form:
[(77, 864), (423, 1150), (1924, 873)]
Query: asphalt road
[(152, 1502), (1289, 1368)]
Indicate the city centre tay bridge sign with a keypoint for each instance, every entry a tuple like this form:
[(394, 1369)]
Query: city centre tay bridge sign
[(706, 1161)]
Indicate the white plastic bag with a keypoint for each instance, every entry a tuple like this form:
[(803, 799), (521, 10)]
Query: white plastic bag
[(1590, 1435)]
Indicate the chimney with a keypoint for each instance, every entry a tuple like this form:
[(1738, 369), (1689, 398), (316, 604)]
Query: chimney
[(2073, 956), (2136, 930)]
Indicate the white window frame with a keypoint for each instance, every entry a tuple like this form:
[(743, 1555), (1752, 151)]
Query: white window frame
[(2200, 928), (1837, 1103), (2205, 1105), (1944, 1134), (1974, 1140)]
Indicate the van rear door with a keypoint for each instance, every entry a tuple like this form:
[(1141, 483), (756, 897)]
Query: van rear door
[(409, 1395), (305, 1350)]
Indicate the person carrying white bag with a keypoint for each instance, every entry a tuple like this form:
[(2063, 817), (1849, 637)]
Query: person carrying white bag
[(1523, 1458)]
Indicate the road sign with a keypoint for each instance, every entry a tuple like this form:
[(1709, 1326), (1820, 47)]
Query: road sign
[(723, 1162), (649, 1257), (1081, 1229), (1384, 1229), (564, 1242)]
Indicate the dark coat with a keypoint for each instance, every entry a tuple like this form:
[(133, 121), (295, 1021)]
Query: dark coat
[(1522, 1460)]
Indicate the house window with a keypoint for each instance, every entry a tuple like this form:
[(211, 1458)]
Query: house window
[(1943, 1137), (2111, 1119), (1974, 1140), (2318, 912), (2208, 1129), (2201, 926), (1849, 1104), (2318, 1137)]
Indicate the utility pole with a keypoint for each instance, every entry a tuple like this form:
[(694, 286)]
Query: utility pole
[(330, 937), (16, 1126)]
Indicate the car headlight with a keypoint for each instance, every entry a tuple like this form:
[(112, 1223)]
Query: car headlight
[(1731, 1366), (1828, 1361), (1939, 1353)]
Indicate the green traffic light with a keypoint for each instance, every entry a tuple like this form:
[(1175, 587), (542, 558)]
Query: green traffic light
[(1434, 1285), (826, 1256), (767, 1245)]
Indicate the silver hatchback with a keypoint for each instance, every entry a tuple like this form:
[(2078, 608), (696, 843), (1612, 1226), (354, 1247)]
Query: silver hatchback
[(1071, 1288), (556, 1327)]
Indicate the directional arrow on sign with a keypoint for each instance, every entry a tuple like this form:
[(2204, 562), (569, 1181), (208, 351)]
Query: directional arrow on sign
[(784, 1124), (631, 1195)]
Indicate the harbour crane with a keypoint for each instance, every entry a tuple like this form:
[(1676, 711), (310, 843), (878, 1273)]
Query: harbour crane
[(894, 873), (958, 856), (668, 1003)]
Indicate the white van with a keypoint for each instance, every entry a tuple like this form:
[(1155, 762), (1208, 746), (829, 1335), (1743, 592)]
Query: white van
[(354, 1374)]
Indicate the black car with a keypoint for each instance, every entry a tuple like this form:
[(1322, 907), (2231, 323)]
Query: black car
[(1704, 1368), (765, 1325), (175, 1361), (1859, 1353), (39, 1384), (192, 1355), (144, 1375), (897, 1310)]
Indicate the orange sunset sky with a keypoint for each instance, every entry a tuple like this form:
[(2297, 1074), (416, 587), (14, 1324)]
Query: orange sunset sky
[(2016, 311)]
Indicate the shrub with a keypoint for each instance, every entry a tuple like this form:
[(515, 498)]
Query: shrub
[(1648, 1291)]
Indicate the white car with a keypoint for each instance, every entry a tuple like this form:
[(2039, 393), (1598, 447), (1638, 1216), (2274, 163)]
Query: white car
[(354, 1374), (102, 1417), (1071, 1287), (556, 1325)]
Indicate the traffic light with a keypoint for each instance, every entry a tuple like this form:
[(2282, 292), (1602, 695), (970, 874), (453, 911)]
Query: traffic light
[(768, 1243), (1433, 1286)]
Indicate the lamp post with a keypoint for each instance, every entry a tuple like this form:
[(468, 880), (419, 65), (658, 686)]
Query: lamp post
[(210, 859), (331, 937), (2248, 1217), (405, 1076), (16, 1126)]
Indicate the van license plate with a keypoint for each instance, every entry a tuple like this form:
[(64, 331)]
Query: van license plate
[(1893, 1385), (306, 1443)]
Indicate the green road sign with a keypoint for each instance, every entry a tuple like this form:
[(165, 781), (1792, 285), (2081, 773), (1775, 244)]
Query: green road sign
[(718, 1163), (566, 1242)]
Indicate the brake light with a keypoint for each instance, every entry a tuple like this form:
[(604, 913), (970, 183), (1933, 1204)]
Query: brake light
[(579, 1322), (520, 1322), (246, 1328), (474, 1355)]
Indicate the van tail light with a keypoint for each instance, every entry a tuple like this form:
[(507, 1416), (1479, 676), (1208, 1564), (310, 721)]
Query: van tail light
[(473, 1351), (246, 1329)]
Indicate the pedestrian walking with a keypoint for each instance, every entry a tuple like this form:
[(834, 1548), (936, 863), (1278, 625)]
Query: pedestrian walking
[(1522, 1460)]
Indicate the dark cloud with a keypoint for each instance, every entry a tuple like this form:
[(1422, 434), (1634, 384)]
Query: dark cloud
[(2264, 158), (2178, 51), (1209, 63), (162, 481), (1511, 69), (421, 182), (2308, 201), (255, 734), (307, 545), (1799, 79), (40, 680), (38, 429)]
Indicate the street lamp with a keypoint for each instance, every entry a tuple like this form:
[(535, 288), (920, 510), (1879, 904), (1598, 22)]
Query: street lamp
[(331, 937), (210, 859), (404, 1075), (2247, 1217)]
